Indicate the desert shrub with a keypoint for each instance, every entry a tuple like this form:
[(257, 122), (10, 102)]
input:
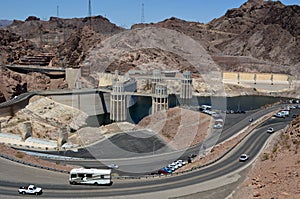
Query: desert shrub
[(265, 156), (19, 154)]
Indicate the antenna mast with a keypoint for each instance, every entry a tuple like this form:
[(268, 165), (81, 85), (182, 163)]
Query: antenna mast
[(143, 13)]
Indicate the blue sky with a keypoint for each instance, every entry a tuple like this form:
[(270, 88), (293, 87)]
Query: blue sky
[(122, 12)]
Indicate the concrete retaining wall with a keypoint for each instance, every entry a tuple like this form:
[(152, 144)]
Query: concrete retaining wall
[(247, 76), (255, 77), (230, 76), (72, 75)]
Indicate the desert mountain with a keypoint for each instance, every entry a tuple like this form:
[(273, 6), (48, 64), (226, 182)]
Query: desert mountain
[(4, 23), (264, 34), (69, 40), (261, 36), (265, 30)]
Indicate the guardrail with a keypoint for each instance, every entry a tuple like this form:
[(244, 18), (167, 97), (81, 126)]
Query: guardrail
[(31, 164)]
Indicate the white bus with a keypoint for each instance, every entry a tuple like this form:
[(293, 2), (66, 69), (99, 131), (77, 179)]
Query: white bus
[(90, 176)]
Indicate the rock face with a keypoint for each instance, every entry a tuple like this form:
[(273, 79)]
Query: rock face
[(13, 46), (75, 49), (15, 83), (265, 29), (44, 118)]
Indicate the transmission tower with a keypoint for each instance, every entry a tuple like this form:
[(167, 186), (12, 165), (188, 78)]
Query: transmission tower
[(57, 11), (90, 13), (143, 13), (90, 8)]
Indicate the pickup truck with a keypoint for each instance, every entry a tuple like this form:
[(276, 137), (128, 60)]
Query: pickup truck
[(30, 189)]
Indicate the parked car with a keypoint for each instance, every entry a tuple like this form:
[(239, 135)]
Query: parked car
[(30, 189), (181, 162), (270, 130), (165, 170), (244, 157), (192, 155)]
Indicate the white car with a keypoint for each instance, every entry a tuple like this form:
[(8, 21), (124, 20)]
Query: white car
[(113, 166), (181, 162), (244, 157), (30, 189), (270, 130)]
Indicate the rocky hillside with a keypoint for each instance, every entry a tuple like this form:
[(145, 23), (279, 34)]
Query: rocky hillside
[(14, 84), (258, 36), (265, 29), (276, 173), (68, 39), (13, 46)]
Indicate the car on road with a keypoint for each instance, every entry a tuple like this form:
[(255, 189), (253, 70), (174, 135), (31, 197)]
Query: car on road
[(30, 189), (113, 166), (244, 157), (270, 130), (165, 170)]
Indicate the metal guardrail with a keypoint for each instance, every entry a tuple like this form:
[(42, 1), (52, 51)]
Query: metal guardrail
[(31, 164)]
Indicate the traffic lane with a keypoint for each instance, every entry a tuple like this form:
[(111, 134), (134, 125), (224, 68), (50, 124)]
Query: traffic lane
[(10, 170), (227, 133), (286, 119)]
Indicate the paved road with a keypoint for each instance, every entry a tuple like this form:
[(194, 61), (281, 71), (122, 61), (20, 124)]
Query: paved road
[(226, 165), (139, 164)]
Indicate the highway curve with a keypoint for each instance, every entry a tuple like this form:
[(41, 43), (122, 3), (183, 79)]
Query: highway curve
[(226, 165)]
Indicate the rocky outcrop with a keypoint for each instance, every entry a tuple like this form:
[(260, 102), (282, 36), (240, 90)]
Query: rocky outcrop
[(13, 46), (15, 83), (74, 50), (265, 30)]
